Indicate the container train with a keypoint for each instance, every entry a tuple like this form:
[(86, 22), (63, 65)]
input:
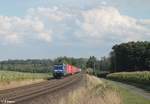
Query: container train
[(61, 70)]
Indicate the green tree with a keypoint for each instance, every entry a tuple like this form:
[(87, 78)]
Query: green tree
[(130, 56), (91, 62)]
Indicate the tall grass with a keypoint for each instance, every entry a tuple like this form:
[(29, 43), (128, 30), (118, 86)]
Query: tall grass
[(135, 77), (7, 76), (94, 92)]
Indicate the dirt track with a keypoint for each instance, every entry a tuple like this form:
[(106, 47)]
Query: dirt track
[(41, 93)]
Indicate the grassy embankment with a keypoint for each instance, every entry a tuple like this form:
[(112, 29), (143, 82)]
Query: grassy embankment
[(140, 79), (10, 79), (100, 91), (128, 97), (94, 91)]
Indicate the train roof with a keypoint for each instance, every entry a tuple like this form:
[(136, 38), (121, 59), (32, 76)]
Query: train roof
[(58, 64)]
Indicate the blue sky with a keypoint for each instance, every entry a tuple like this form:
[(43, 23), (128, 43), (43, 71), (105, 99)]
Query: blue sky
[(75, 28)]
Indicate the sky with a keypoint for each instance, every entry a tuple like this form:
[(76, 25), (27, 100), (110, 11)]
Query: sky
[(37, 29)]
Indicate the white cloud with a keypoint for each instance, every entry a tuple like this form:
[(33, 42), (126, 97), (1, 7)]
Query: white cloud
[(104, 3), (46, 36), (106, 23), (95, 25), (32, 26), (16, 30), (145, 22), (52, 14)]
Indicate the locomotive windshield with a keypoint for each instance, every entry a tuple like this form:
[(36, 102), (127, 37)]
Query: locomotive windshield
[(58, 67)]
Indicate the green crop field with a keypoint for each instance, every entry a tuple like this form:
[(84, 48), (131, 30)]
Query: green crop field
[(134, 77), (6, 76)]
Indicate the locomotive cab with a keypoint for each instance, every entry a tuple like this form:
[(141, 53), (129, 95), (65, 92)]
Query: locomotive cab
[(58, 71)]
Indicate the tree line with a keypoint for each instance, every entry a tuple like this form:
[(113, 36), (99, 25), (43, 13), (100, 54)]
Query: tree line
[(40, 65), (131, 56), (30, 65)]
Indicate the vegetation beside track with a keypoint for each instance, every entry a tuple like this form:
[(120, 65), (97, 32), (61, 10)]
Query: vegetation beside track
[(141, 79), (132, 98), (8, 76), (101, 91), (128, 97), (93, 91)]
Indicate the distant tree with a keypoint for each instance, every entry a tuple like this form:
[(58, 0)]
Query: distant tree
[(35, 66), (105, 64), (91, 62)]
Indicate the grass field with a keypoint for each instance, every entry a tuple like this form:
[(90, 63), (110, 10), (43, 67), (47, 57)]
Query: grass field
[(127, 96), (11, 79), (8, 76), (134, 77)]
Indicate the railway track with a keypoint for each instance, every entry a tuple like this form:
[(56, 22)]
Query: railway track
[(18, 95)]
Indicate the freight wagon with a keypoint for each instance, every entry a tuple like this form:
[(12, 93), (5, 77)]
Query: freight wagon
[(64, 69)]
